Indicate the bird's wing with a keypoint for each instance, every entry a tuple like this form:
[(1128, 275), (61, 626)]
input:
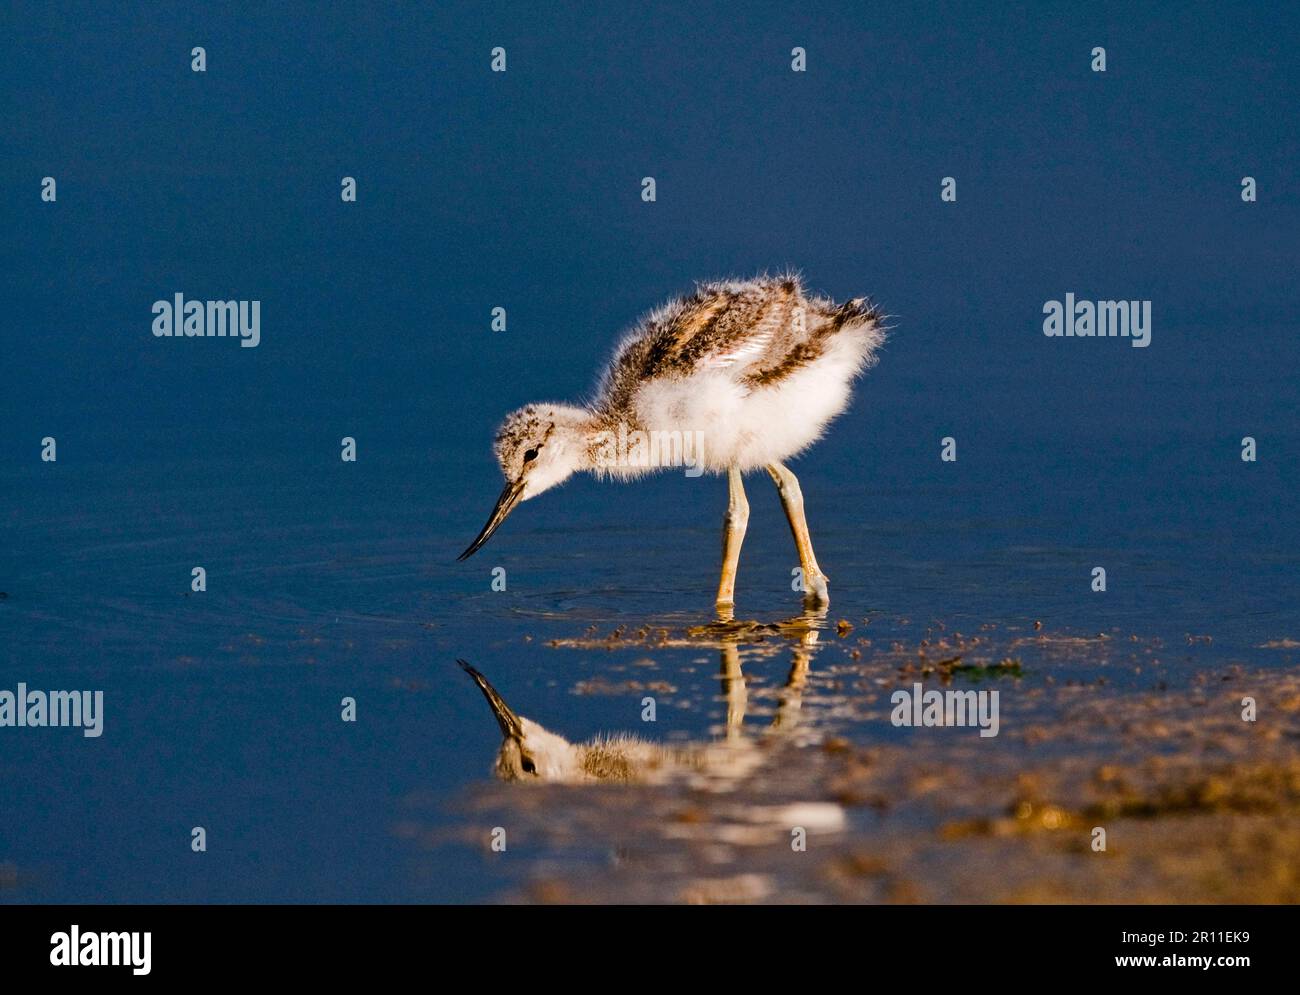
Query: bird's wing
[(756, 332), (821, 324), (748, 345), (720, 327)]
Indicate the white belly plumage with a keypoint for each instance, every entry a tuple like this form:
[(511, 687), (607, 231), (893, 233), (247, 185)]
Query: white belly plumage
[(750, 427)]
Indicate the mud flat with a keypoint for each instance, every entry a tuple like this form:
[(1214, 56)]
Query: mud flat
[(1185, 767)]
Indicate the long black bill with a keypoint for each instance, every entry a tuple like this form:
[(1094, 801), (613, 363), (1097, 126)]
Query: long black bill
[(506, 719), (505, 504)]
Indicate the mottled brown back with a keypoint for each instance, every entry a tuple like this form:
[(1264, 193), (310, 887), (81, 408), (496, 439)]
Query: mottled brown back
[(751, 329)]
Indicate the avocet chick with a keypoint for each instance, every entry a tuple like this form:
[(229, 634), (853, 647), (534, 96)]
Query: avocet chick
[(754, 370)]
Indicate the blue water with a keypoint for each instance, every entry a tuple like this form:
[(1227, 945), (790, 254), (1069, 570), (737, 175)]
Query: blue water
[(328, 579)]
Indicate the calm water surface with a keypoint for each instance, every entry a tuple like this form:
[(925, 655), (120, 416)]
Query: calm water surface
[(222, 708)]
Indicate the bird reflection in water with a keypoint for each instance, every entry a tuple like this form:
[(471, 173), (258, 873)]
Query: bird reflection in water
[(530, 752)]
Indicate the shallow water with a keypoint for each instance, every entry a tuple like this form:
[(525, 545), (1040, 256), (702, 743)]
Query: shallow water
[(222, 707)]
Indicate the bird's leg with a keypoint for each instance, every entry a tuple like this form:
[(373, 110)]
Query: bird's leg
[(791, 699), (733, 534), (734, 690), (814, 581)]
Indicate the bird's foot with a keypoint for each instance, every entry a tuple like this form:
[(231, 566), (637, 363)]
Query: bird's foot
[(816, 589)]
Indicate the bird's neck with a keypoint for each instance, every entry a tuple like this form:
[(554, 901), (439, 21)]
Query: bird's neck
[(580, 430)]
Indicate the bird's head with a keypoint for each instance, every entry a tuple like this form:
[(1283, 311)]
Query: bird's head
[(528, 752), (538, 447)]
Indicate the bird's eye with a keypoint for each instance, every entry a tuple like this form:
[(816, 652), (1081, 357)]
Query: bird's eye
[(528, 765), (530, 455)]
